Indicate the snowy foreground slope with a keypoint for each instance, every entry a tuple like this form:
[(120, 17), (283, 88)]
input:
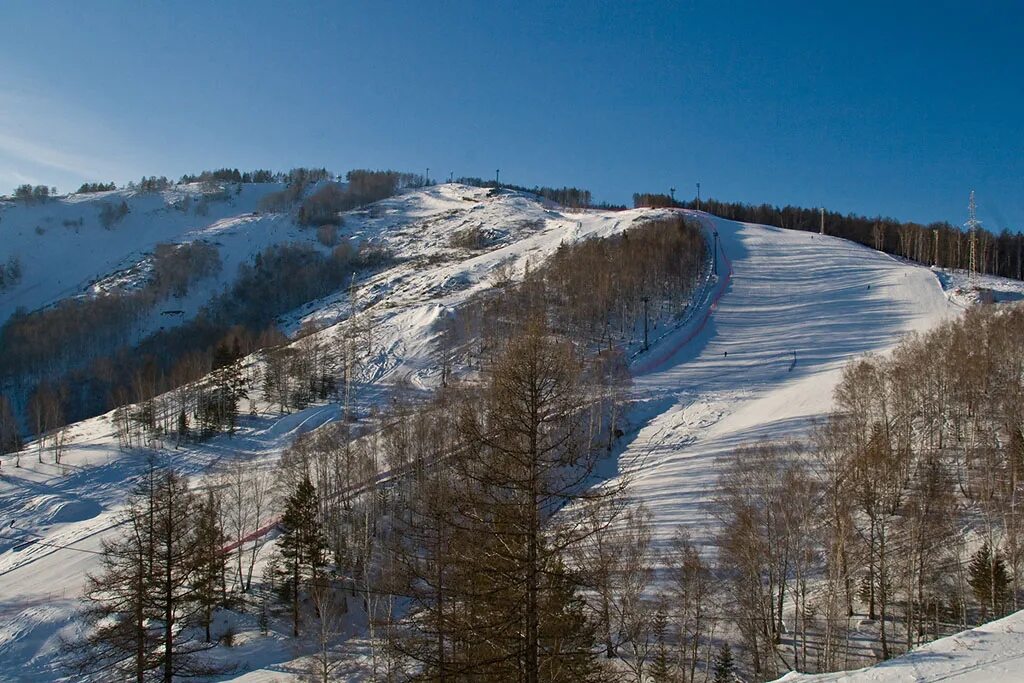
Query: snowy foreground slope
[(760, 360), (993, 652)]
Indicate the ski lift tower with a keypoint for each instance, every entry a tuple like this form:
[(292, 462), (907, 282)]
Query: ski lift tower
[(972, 229)]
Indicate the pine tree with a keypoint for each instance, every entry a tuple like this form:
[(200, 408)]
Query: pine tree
[(218, 408), (989, 580), (725, 667), (141, 606), (661, 664), (303, 547), (182, 426), (210, 560)]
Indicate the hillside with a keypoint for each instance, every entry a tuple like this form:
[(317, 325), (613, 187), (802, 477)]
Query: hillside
[(66, 248), (757, 355), (65, 511)]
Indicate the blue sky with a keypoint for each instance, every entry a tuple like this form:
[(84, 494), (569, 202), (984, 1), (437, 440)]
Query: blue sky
[(879, 108)]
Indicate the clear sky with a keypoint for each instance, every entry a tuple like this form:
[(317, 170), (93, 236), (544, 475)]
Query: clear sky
[(893, 108)]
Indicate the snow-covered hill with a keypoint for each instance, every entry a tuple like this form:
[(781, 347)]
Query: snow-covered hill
[(64, 248), (796, 308), (67, 510), (759, 358)]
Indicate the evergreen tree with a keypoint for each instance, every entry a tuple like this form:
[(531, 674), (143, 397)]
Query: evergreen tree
[(182, 426), (661, 663), (141, 606), (989, 580), (210, 560), (218, 408), (725, 667), (303, 547)]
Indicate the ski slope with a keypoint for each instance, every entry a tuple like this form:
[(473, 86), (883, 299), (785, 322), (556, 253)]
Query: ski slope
[(734, 382), (760, 360)]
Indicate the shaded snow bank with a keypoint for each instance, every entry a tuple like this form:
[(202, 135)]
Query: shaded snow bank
[(993, 652)]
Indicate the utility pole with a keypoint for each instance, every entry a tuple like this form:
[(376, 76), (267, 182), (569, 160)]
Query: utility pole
[(645, 299), (714, 254), (822, 221), (972, 226), (672, 191), (698, 196)]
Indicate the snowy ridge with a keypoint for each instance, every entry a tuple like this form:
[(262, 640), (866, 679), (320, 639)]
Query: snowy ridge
[(64, 248)]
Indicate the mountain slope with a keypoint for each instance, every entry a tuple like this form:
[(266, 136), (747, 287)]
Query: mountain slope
[(64, 247), (759, 359), (53, 518), (824, 299)]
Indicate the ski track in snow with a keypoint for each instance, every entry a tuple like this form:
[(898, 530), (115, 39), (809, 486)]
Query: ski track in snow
[(717, 382), (734, 383)]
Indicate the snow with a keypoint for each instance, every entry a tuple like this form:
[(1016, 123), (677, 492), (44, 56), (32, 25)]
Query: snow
[(825, 299), (64, 249), (722, 379), (963, 291), (993, 652)]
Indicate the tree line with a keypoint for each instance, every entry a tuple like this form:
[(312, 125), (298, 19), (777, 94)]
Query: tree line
[(602, 291), (323, 206), (232, 175), (34, 194), (568, 197), (939, 244), (89, 188)]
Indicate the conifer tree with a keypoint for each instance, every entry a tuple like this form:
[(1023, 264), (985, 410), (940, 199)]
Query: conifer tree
[(210, 560), (989, 580), (527, 455), (141, 606), (182, 426), (661, 662), (725, 667), (10, 438), (303, 547)]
